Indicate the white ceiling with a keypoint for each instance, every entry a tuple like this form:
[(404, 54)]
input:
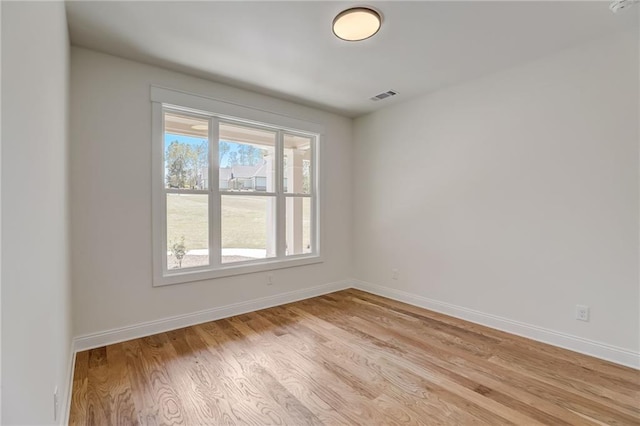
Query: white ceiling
[(287, 49)]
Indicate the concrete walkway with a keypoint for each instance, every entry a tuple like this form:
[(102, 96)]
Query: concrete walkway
[(253, 253)]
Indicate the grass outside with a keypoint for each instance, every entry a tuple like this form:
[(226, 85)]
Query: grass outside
[(187, 216), (244, 221)]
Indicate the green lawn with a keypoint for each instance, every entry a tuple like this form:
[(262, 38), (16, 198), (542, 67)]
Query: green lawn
[(244, 222), (187, 216)]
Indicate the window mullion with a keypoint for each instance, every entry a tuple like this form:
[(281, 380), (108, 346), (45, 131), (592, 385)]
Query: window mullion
[(215, 235), (281, 231), (315, 196), (314, 185), (161, 196)]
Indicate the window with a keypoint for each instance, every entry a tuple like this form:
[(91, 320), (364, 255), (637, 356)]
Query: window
[(235, 190)]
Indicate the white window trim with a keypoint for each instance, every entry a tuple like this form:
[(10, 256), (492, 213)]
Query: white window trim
[(217, 109)]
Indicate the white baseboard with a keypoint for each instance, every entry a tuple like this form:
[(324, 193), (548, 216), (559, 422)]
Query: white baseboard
[(555, 338), (116, 335), (65, 401), (552, 337)]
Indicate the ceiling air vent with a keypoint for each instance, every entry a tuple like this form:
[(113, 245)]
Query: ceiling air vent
[(384, 95)]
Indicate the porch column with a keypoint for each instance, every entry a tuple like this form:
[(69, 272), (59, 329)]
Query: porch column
[(271, 205), (294, 204)]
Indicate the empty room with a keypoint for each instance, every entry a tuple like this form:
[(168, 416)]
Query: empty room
[(320, 212)]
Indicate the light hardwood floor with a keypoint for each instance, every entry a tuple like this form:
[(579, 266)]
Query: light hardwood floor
[(347, 358)]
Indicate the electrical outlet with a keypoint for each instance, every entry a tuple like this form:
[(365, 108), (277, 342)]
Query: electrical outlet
[(56, 405), (582, 312), (394, 274), (269, 279)]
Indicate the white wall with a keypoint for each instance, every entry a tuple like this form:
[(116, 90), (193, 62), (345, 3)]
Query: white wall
[(111, 198), (515, 195), (36, 322), (0, 218)]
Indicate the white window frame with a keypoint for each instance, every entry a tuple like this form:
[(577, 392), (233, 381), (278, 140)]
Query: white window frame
[(214, 111)]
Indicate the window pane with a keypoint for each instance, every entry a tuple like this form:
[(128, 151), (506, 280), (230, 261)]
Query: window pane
[(298, 220), (186, 151), (247, 158), (248, 228), (297, 164), (187, 230)]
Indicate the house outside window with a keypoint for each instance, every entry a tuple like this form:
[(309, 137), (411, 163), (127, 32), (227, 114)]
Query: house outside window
[(235, 189)]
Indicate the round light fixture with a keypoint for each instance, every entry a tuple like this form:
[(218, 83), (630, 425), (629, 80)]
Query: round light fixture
[(355, 24)]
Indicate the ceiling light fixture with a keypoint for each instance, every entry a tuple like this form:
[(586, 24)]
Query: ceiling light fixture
[(355, 24), (618, 5)]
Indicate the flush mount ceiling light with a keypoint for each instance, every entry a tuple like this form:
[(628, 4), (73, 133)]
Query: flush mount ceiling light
[(355, 24), (618, 5)]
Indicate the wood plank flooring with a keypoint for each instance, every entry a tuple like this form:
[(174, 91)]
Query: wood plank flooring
[(347, 358)]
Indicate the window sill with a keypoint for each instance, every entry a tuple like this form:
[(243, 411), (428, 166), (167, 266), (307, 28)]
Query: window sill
[(185, 276)]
